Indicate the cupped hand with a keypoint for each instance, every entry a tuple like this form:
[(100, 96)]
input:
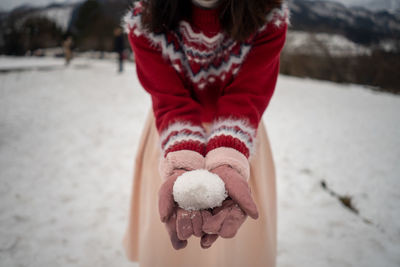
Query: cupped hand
[(226, 220), (180, 223)]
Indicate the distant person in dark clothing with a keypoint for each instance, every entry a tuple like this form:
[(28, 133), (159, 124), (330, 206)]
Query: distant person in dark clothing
[(119, 47)]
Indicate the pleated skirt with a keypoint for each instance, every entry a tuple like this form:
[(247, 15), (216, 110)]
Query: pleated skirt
[(147, 241)]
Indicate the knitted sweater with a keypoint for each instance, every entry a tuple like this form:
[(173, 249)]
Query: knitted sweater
[(197, 74)]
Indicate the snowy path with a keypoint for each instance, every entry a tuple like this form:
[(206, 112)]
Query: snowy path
[(68, 138)]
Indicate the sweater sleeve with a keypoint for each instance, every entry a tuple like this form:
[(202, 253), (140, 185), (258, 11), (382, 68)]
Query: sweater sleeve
[(177, 114), (240, 108)]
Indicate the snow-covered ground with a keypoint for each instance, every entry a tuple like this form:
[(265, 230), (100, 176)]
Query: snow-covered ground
[(68, 139), (8, 63)]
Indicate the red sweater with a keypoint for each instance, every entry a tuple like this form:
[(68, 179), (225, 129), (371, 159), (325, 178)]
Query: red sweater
[(198, 74)]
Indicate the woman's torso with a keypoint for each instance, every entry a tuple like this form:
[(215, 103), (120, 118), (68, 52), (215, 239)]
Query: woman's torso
[(204, 56)]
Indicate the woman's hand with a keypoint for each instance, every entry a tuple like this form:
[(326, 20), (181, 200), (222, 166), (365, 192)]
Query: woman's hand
[(181, 224), (226, 220), (208, 224)]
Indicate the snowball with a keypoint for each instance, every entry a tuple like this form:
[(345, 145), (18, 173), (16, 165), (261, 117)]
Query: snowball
[(199, 189)]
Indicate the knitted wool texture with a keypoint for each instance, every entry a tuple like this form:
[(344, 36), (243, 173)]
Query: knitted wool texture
[(197, 73)]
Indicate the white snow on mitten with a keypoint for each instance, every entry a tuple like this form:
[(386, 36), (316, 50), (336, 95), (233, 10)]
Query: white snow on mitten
[(199, 189)]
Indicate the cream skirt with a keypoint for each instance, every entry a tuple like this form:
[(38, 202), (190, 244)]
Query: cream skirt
[(147, 240)]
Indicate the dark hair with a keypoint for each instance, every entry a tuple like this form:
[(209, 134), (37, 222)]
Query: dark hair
[(238, 18)]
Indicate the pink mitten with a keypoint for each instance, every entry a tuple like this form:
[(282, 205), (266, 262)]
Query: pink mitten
[(180, 223), (233, 168)]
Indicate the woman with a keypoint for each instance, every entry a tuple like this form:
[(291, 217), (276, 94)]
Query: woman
[(210, 67)]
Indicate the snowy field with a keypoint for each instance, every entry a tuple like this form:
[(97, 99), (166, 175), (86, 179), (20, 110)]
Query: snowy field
[(68, 137)]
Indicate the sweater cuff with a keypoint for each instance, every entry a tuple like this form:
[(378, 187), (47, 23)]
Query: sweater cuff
[(183, 136), (231, 157), (184, 159), (233, 133)]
